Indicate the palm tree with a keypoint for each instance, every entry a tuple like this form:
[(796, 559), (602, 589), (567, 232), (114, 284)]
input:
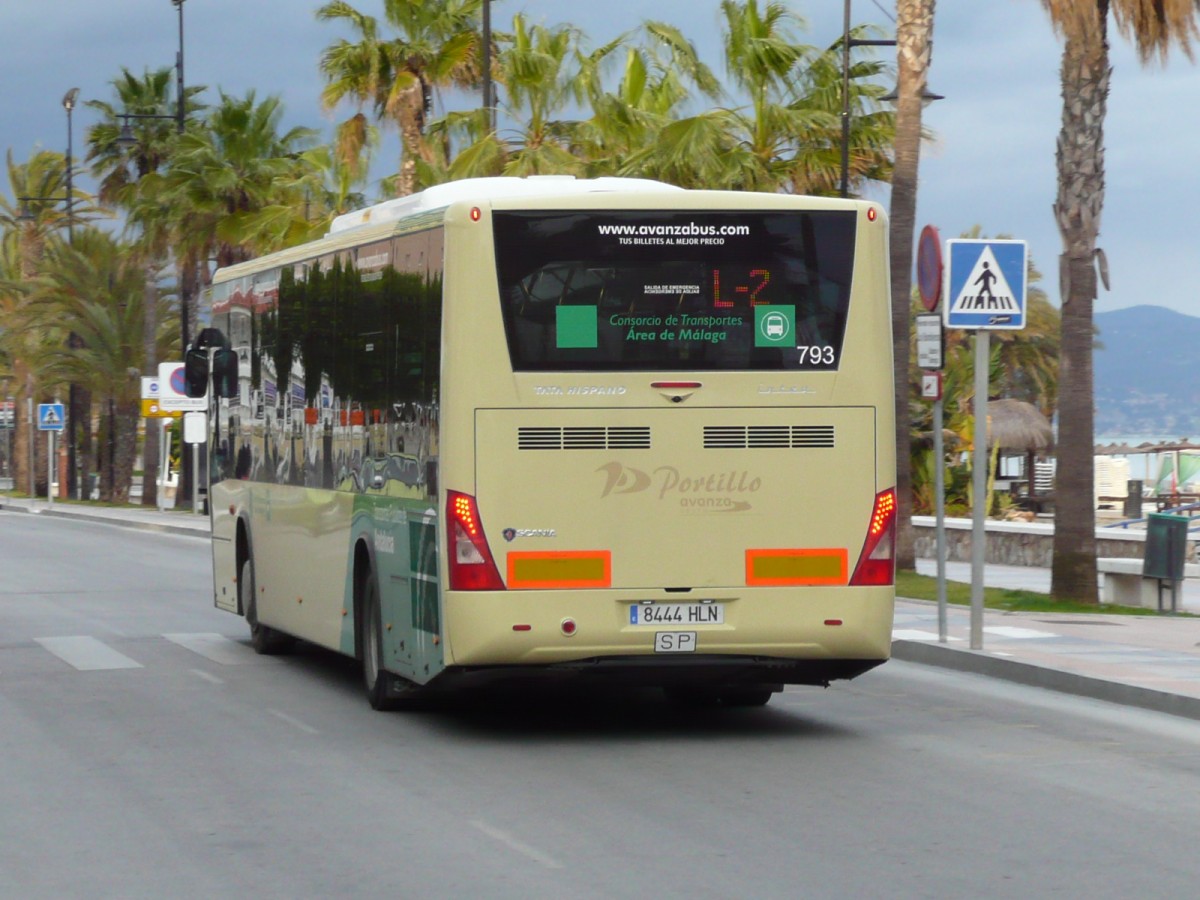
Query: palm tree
[(143, 104), (225, 175), (32, 225), (914, 43), (786, 137), (539, 68), (1155, 26), (95, 288), (816, 166), (436, 46), (656, 82)]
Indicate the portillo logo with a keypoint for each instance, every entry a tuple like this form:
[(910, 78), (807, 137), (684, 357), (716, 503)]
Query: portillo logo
[(713, 491)]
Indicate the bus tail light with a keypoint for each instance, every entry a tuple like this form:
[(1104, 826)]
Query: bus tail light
[(472, 567), (877, 562)]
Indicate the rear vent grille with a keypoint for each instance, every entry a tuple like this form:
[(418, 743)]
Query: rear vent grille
[(749, 437), (583, 438)]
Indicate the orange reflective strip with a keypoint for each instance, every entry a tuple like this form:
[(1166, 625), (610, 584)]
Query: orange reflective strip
[(566, 569), (828, 565)]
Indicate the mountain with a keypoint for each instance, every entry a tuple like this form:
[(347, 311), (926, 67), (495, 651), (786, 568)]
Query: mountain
[(1146, 375)]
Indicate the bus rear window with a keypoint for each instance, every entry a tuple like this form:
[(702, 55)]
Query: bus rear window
[(601, 291)]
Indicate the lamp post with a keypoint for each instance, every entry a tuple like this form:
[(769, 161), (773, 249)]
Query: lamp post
[(180, 120), (847, 43), (489, 103), (73, 342), (126, 138)]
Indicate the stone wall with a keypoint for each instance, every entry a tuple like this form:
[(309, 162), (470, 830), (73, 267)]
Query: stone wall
[(1023, 543)]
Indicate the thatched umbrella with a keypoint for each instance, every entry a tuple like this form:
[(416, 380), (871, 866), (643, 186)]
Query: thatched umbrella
[(1017, 426)]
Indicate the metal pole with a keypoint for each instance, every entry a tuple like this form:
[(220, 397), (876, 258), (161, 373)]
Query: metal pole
[(72, 338), (939, 486), (186, 271), (845, 183), (196, 479), (163, 457), (32, 442), (179, 106), (49, 468), (488, 103), (979, 482)]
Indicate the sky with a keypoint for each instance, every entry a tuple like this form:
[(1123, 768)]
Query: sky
[(990, 161)]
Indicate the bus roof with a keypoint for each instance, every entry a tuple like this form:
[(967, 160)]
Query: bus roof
[(442, 195), (352, 228)]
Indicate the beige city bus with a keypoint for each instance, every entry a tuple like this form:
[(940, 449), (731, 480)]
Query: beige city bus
[(588, 430)]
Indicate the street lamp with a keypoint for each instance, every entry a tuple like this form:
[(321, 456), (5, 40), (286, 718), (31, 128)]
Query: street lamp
[(179, 108), (73, 341), (489, 103), (848, 42), (127, 139), (68, 102)]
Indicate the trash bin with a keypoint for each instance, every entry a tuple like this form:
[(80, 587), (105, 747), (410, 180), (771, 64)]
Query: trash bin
[(1133, 499), (1166, 547)]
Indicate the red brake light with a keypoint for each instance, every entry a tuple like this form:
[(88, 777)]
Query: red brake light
[(877, 562), (472, 567)]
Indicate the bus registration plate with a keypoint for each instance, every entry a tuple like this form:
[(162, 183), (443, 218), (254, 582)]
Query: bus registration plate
[(677, 614)]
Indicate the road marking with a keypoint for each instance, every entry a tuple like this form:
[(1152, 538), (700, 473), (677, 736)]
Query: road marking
[(211, 645), (1018, 633), (511, 842), (914, 634), (87, 653), (294, 722), (210, 678)]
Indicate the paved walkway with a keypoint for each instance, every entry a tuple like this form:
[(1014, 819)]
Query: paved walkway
[(1147, 661)]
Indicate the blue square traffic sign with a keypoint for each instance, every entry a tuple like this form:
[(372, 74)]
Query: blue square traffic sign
[(985, 284), (51, 417)]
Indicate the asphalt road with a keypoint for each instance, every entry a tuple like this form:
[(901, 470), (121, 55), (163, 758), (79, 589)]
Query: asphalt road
[(146, 751)]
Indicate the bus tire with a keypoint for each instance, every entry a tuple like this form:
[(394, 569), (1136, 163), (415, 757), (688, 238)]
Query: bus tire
[(747, 697), (264, 640), (385, 690), (731, 697)]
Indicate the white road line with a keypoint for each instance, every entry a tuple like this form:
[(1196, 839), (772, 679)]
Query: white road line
[(87, 653), (913, 634), (511, 842), (1020, 633), (211, 645), (210, 678), (294, 722)]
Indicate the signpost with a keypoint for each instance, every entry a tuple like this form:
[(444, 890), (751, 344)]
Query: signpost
[(931, 352), (51, 417), (195, 432), (985, 290)]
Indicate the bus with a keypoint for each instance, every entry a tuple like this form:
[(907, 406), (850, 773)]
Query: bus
[(550, 428)]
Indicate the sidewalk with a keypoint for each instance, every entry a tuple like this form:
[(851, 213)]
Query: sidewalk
[(1152, 662), (170, 521)]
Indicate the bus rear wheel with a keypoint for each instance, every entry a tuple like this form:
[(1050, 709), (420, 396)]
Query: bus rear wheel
[(264, 640), (385, 691), (701, 697)]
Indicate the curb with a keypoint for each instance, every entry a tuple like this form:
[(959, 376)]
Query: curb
[(161, 527), (1051, 679)]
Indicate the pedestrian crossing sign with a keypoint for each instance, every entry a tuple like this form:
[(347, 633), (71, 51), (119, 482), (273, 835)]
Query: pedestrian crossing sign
[(985, 284), (51, 417)]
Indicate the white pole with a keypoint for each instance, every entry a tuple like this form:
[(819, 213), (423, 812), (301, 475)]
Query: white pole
[(939, 464), (32, 445), (163, 470), (196, 479), (49, 468), (978, 531)]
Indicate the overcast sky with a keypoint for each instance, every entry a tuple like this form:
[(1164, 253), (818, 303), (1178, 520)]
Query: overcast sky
[(991, 162)]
